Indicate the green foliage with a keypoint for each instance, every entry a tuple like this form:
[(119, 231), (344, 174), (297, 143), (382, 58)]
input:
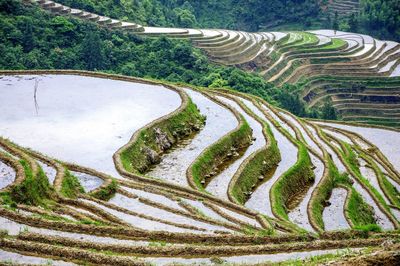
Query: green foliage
[(218, 152), (351, 159), (70, 187), (291, 101), (335, 23), (292, 182), (261, 164), (107, 192), (390, 191), (323, 192), (328, 112), (179, 125), (360, 213), (230, 14), (92, 51), (368, 228), (393, 193), (7, 200), (34, 189), (353, 23), (380, 18)]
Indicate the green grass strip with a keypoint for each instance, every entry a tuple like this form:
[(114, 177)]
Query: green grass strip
[(291, 182), (323, 192), (335, 45), (263, 162), (179, 125), (307, 39), (70, 186), (359, 212), (217, 153), (34, 189), (350, 158), (106, 193), (390, 191)]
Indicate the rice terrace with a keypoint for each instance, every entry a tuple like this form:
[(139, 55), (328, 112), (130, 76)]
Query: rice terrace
[(253, 147)]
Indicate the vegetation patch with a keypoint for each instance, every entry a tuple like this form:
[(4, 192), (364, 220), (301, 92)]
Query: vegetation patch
[(322, 194), (220, 153), (351, 159), (160, 137), (292, 183), (258, 167), (107, 192), (360, 213), (70, 186), (390, 191), (34, 189)]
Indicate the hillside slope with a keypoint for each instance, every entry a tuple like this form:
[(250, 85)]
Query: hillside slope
[(324, 66)]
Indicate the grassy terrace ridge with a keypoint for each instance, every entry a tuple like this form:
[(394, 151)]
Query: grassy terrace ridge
[(143, 152), (389, 190), (295, 181), (70, 186), (351, 160), (322, 193), (290, 184), (357, 212), (34, 189), (261, 164), (216, 155), (354, 201)]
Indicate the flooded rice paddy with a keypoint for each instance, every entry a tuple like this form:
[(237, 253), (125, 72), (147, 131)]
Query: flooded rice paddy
[(78, 119)]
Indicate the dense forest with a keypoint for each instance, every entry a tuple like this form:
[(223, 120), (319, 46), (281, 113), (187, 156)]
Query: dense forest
[(380, 18)]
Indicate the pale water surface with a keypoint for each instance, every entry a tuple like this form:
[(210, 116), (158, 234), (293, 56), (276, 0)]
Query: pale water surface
[(78, 119)]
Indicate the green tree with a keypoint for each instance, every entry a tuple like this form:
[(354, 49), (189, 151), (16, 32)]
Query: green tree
[(335, 23), (185, 18), (353, 23), (28, 41), (92, 51), (328, 112)]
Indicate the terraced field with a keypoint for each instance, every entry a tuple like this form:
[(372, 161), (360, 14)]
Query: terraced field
[(343, 7), (114, 170), (357, 73), (212, 176)]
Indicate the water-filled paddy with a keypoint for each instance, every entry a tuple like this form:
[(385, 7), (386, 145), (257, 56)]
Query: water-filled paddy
[(50, 171), (7, 175), (333, 215), (139, 222), (388, 141), (88, 182), (84, 120), (139, 207), (263, 259), (8, 257), (299, 215)]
